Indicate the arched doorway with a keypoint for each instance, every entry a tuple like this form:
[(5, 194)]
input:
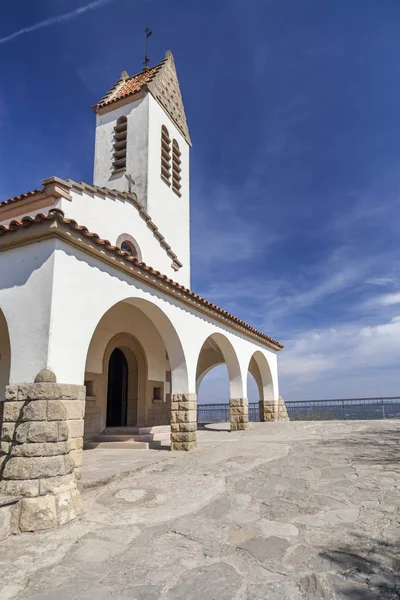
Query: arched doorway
[(156, 367), (117, 390)]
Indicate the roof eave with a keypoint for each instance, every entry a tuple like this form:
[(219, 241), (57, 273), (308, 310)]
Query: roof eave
[(54, 224)]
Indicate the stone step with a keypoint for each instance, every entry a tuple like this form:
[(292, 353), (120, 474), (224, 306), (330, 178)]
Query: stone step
[(108, 437), (155, 437), (91, 445), (130, 430), (155, 429)]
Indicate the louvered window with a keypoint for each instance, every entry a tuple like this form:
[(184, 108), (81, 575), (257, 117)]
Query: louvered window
[(165, 155), (176, 168), (120, 137)]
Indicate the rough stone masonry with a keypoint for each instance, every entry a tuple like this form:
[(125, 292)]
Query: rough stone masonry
[(41, 452)]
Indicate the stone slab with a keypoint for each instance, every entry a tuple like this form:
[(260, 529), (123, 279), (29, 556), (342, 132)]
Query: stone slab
[(286, 511)]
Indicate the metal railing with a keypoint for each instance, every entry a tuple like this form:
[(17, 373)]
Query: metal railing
[(346, 409)]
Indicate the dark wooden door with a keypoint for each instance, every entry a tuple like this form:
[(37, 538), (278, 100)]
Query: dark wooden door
[(117, 389)]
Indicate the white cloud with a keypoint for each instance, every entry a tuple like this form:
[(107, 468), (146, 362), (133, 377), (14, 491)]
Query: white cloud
[(389, 299), (352, 358)]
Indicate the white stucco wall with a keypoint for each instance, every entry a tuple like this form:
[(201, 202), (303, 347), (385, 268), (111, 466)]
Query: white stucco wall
[(84, 289), (53, 296), (111, 217), (170, 212), (137, 114), (26, 287)]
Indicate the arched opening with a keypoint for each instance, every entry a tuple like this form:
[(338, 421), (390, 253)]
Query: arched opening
[(260, 373), (218, 374), (5, 361), (213, 395), (254, 394), (133, 361), (117, 389)]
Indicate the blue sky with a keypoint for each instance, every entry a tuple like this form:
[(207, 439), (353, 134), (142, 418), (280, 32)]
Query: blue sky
[(293, 108)]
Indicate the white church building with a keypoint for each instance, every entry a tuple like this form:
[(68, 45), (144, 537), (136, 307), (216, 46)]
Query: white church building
[(102, 340)]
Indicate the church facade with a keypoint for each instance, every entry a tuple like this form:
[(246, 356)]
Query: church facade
[(101, 338)]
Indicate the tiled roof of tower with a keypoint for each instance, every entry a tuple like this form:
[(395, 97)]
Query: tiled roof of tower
[(176, 288), (127, 86), (162, 82)]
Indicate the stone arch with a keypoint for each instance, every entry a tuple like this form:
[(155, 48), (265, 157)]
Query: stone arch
[(5, 359), (137, 373), (260, 369), (168, 334), (156, 364), (216, 350)]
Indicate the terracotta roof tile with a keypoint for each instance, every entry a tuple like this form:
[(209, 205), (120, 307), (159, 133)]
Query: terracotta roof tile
[(162, 82), (20, 197), (81, 186), (58, 215), (127, 87)]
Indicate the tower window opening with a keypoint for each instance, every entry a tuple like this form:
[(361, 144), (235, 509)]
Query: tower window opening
[(176, 168), (165, 156), (120, 139)]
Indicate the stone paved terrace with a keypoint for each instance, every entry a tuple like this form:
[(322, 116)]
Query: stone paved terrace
[(283, 511)]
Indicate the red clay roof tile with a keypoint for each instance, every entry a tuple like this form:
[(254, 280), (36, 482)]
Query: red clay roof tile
[(20, 197), (127, 87)]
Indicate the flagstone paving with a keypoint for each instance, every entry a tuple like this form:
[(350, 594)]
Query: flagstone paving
[(283, 511)]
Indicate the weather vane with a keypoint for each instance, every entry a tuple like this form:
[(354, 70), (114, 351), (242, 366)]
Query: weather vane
[(146, 58)]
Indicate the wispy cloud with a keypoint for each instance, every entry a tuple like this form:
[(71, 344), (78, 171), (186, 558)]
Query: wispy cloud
[(54, 20)]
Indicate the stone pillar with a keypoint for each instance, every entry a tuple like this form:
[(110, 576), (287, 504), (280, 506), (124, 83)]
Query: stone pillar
[(273, 410), (41, 444), (239, 410), (183, 421)]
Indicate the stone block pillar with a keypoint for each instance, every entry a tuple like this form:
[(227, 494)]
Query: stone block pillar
[(41, 451), (273, 410), (183, 421), (239, 411)]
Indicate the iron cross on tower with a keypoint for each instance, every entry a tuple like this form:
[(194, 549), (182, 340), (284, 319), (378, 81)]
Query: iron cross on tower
[(146, 58)]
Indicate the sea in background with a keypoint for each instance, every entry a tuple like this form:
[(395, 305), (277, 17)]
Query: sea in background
[(349, 409)]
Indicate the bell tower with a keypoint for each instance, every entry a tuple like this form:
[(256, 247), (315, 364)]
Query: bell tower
[(143, 144)]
